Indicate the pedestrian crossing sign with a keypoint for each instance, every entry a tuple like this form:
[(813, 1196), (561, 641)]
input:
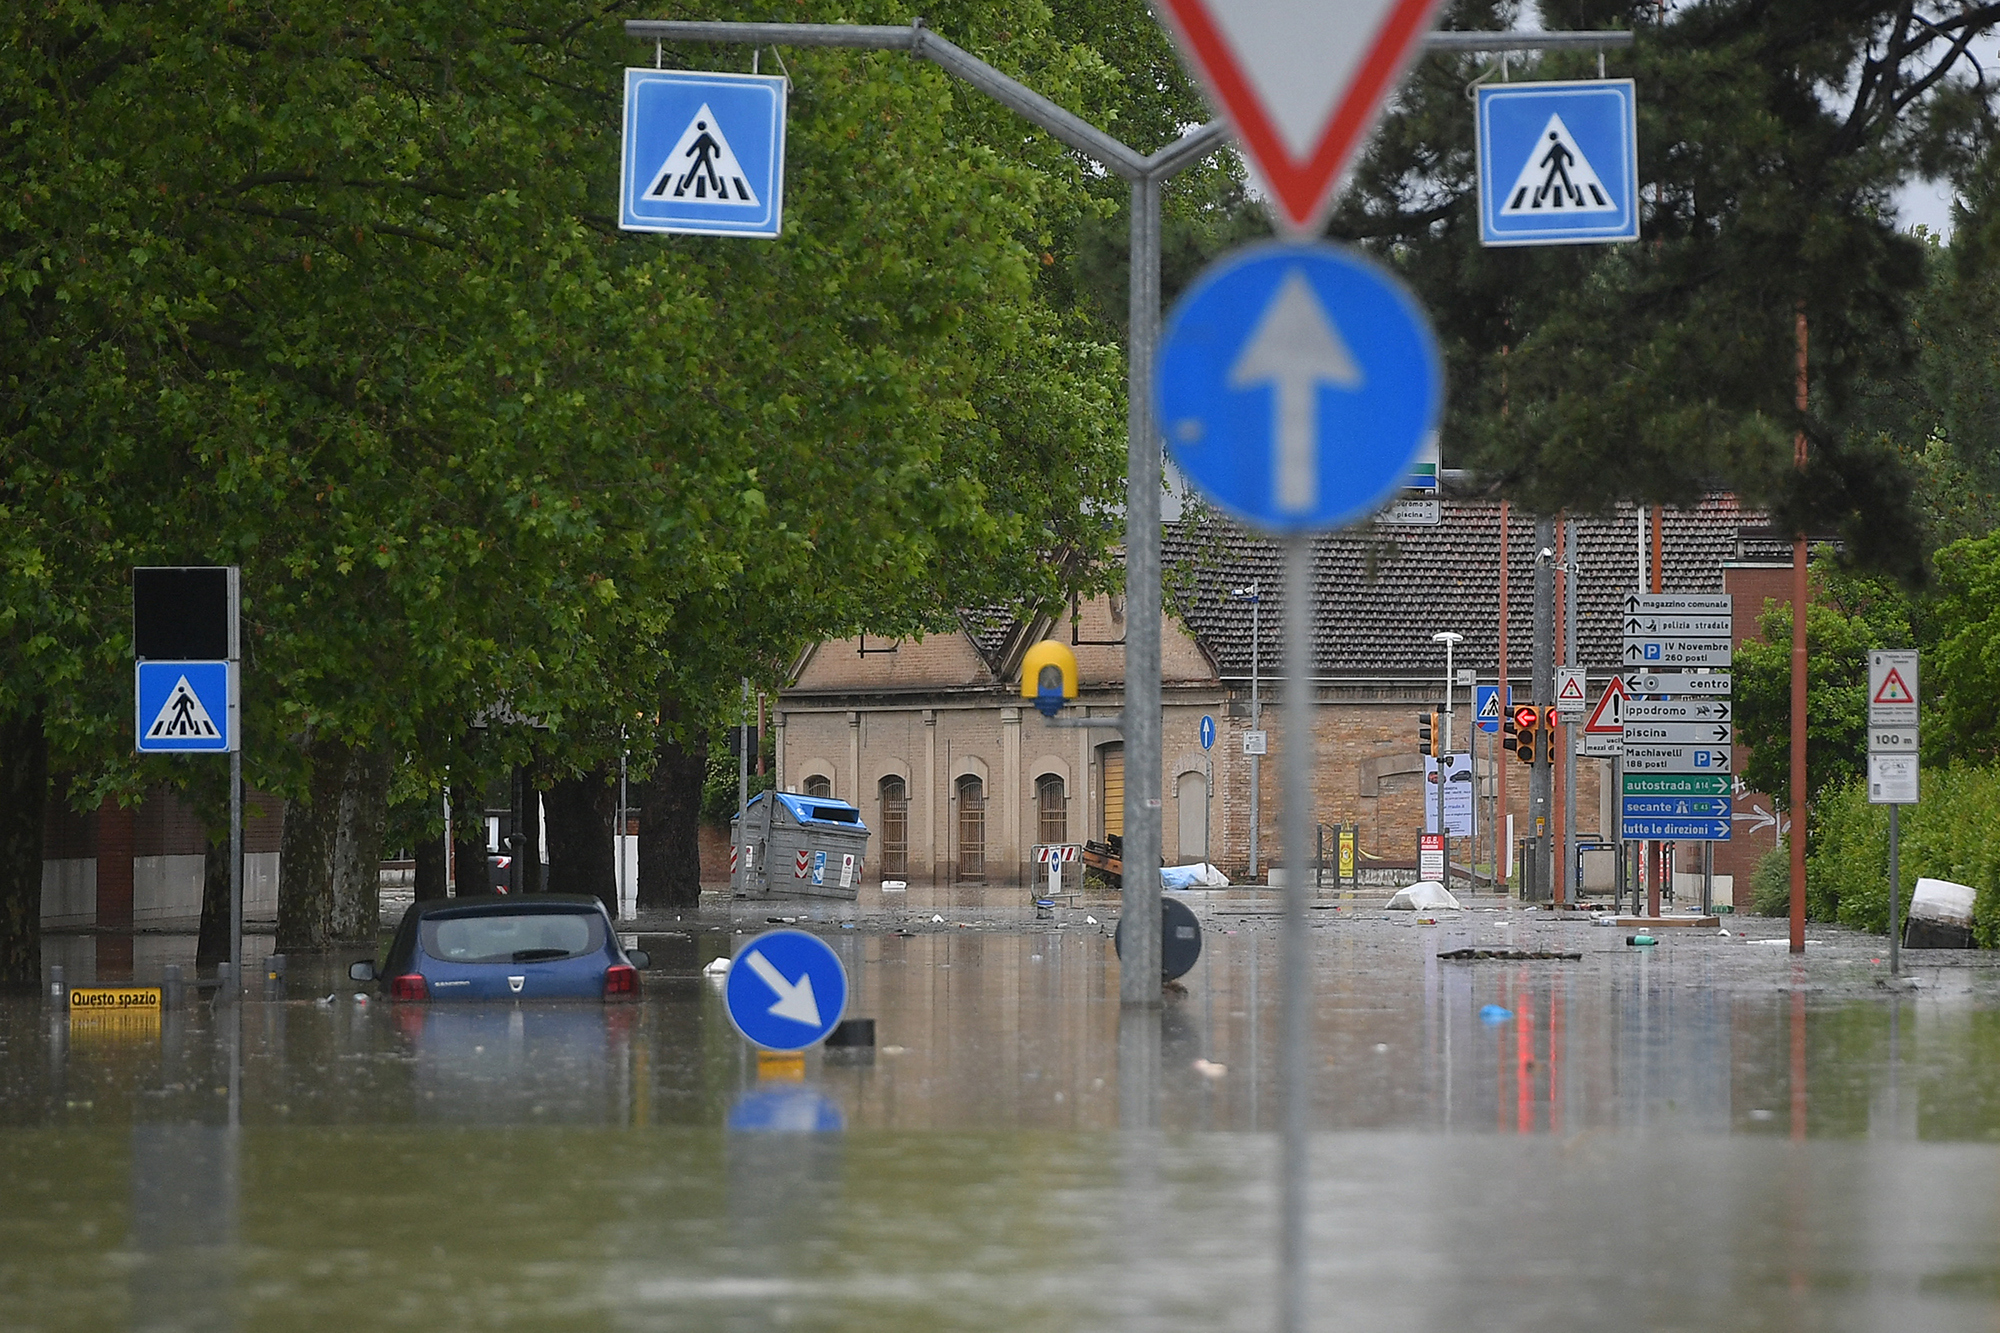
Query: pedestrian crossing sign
[(704, 154), (186, 707), (1558, 163)]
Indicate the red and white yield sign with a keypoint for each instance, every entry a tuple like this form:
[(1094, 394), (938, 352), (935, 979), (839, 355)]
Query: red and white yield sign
[(1301, 80)]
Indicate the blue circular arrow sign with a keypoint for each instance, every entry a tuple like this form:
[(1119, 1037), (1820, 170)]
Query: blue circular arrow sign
[(1296, 385), (1207, 732), (786, 990)]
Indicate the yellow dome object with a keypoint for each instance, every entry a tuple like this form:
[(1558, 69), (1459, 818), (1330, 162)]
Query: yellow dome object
[(1048, 676)]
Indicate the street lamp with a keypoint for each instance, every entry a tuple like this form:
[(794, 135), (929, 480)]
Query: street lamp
[(1249, 593), (1450, 639)]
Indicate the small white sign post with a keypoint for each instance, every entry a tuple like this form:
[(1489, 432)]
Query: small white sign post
[(1892, 760)]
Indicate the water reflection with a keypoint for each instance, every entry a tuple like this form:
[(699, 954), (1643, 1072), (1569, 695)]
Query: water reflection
[(1678, 1137)]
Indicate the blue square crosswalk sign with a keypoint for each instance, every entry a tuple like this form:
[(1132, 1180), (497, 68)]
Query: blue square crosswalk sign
[(186, 707), (704, 153), (1558, 163)]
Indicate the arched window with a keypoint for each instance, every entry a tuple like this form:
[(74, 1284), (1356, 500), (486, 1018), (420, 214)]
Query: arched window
[(971, 828), (1051, 810), (819, 785), (895, 828)]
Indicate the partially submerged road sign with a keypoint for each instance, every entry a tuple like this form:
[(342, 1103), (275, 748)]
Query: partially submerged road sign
[(1295, 385), (1558, 163), (786, 990), (704, 153), (1301, 81)]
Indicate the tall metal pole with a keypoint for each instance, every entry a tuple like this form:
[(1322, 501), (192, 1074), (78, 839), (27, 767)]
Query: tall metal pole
[(1256, 723), (743, 756), (1541, 775), (1800, 593), (1139, 907), (1571, 886), (1506, 701), (1895, 889), (236, 869), (1295, 1022)]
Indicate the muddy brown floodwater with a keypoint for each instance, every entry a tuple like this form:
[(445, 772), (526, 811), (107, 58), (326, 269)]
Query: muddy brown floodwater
[(1705, 1134)]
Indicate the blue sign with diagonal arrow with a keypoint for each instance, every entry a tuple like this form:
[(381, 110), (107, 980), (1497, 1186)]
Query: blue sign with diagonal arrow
[(786, 990)]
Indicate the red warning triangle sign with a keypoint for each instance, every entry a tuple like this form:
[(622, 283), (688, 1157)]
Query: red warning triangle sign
[(1301, 81), (1894, 690), (1572, 689), (1608, 718)]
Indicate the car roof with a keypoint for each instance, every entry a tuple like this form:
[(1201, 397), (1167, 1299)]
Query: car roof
[(499, 904)]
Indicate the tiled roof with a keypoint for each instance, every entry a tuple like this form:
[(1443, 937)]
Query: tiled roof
[(1382, 591)]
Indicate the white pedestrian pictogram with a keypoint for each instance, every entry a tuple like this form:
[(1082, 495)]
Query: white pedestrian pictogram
[(182, 717), (1557, 178), (702, 166)]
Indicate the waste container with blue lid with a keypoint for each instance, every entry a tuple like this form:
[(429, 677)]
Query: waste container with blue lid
[(790, 846)]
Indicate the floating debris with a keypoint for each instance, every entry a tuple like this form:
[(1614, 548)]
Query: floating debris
[(1508, 955)]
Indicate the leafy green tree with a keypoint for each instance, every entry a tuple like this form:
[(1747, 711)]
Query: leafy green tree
[(1848, 616), (1772, 136)]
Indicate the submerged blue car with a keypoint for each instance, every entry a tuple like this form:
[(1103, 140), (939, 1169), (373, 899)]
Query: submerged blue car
[(544, 946)]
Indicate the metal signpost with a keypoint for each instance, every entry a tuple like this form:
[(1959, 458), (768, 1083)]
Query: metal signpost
[(1558, 163), (1677, 733), (786, 990), (1299, 122), (1892, 761), (187, 690), (1296, 382), (1255, 743), (1137, 985)]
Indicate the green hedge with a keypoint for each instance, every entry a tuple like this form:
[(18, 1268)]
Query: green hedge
[(1952, 833)]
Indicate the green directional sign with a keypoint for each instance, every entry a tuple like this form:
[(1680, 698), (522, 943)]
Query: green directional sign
[(1676, 784)]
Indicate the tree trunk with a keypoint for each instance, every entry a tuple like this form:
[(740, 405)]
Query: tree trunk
[(212, 944), (472, 874), (430, 880), (24, 796), (581, 813), (357, 847), (528, 828), (670, 827), (329, 869)]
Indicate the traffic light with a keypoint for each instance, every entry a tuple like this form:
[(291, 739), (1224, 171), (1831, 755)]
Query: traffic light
[(1427, 733), (1524, 727)]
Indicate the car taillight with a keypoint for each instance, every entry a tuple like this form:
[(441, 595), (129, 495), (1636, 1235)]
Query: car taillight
[(409, 986), (621, 979)]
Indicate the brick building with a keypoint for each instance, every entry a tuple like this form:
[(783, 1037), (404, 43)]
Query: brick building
[(960, 779)]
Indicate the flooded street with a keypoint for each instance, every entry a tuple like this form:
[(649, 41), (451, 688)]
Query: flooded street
[(1701, 1134)]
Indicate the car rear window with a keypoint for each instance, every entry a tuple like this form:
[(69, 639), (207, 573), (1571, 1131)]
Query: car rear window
[(523, 937)]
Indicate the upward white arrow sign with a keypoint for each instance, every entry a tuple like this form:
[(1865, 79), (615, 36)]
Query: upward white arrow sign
[(1296, 348), (795, 999)]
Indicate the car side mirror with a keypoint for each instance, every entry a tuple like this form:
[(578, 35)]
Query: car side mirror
[(362, 971), (639, 958)]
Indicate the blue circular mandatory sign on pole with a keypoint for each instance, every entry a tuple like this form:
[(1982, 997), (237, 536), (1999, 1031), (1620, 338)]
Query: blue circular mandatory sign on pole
[(786, 990), (1207, 732), (1296, 385)]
